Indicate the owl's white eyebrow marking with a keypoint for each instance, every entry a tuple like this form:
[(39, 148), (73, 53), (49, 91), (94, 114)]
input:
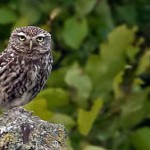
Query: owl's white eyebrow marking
[(42, 35), (21, 33)]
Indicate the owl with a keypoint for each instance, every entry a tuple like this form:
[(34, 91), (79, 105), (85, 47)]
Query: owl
[(24, 66)]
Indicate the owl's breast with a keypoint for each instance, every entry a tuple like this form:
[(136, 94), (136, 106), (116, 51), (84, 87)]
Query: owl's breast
[(33, 74)]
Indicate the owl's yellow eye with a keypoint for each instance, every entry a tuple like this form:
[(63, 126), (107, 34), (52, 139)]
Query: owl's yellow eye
[(40, 39), (22, 38)]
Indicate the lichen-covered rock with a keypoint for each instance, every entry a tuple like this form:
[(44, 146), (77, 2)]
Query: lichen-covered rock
[(19, 130)]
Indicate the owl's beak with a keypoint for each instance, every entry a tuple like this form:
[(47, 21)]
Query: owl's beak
[(30, 44)]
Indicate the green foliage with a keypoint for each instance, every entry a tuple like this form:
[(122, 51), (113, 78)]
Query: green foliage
[(57, 78), (144, 63), (80, 83), (55, 97), (140, 139), (87, 118), (49, 99), (74, 32), (84, 7), (46, 114), (7, 16), (91, 147), (63, 119), (95, 88)]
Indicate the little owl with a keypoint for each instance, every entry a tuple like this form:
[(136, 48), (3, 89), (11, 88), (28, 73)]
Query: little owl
[(24, 66)]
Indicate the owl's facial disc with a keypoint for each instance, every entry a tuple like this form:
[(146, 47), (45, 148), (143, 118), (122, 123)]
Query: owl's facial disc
[(40, 38), (24, 39), (30, 40), (21, 36)]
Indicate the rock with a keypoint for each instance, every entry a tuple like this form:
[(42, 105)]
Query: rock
[(19, 130)]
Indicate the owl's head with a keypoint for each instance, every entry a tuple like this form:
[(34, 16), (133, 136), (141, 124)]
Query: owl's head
[(30, 39)]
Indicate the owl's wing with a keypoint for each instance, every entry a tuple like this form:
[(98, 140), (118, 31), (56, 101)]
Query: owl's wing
[(5, 59)]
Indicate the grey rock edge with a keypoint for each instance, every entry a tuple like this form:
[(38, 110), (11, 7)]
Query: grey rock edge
[(19, 130)]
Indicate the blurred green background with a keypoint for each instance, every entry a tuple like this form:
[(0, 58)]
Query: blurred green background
[(99, 86)]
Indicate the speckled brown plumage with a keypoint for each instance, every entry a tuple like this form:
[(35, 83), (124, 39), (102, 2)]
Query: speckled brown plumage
[(24, 66)]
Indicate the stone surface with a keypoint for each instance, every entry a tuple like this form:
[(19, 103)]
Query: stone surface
[(19, 130)]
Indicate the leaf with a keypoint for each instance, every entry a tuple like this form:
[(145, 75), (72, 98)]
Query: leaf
[(103, 68), (55, 97), (144, 63), (34, 106), (140, 139), (123, 14), (33, 15), (56, 54), (57, 78), (118, 43), (74, 31), (92, 147), (116, 85), (23, 21), (69, 144), (27, 10), (87, 118), (84, 7), (101, 75), (63, 119), (135, 109), (80, 84), (7, 16), (106, 22), (132, 51)]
